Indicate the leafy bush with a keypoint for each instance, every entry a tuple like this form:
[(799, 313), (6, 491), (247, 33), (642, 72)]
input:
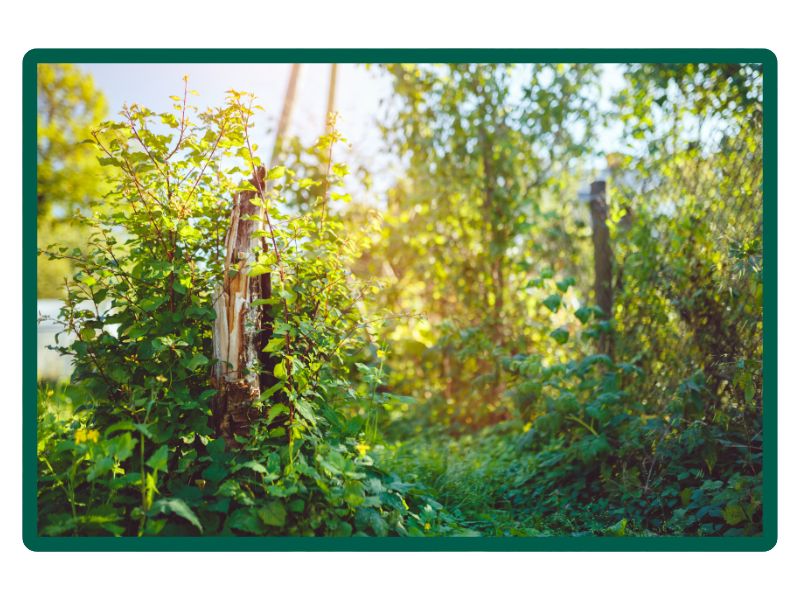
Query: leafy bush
[(595, 456), (139, 454)]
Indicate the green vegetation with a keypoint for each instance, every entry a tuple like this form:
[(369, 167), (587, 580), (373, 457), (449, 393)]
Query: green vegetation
[(440, 364), (69, 179)]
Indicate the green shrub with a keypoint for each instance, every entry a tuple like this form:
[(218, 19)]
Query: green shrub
[(137, 454)]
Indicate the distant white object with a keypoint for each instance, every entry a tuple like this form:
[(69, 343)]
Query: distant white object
[(49, 363)]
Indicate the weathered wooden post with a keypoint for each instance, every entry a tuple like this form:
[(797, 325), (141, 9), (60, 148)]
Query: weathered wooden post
[(241, 330), (603, 260)]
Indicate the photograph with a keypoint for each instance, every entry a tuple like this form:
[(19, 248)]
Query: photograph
[(444, 301)]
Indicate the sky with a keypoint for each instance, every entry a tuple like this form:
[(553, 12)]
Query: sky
[(359, 93)]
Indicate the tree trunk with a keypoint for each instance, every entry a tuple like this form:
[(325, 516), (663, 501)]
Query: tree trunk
[(286, 114), (331, 98), (603, 261)]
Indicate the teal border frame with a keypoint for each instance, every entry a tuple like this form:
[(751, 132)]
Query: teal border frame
[(765, 542)]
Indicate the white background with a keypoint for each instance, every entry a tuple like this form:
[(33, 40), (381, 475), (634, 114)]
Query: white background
[(410, 23)]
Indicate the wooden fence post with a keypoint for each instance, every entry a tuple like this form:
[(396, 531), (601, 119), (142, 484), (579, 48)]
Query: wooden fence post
[(241, 330), (603, 261), (242, 368)]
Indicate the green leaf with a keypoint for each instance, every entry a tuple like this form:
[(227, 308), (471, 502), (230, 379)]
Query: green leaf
[(198, 360), (275, 344), (273, 514), (169, 119), (100, 467), (189, 232), (254, 465), (158, 460), (617, 530), (276, 172), (178, 507), (399, 398), (354, 493), (584, 313), (215, 472), (268, 393), (280, 371), (553, 302), (123, 446), (307, 183), (340, 169), (565, 283), (245, 519), (369, 517), (152, 303), (263, 301), (560, 335), (276, 410), (258, 269), (305, 409), (733, 514)]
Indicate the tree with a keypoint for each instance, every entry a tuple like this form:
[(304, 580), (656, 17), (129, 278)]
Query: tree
[(480, 214), (691, 257), (69, 177)]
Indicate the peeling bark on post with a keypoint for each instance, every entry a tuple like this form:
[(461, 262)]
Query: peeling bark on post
[(239, 330)]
